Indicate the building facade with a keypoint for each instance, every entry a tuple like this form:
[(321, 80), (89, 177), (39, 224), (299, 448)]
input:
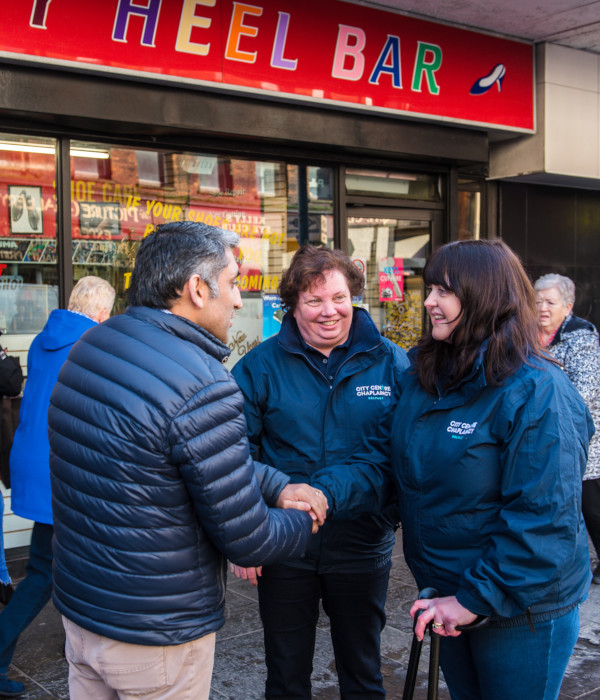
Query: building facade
[(335, 124)]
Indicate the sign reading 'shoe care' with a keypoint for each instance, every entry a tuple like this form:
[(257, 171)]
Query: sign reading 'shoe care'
[(328, 51)]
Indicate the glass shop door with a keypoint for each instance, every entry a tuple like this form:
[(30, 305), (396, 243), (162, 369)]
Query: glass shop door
[(391, 247)]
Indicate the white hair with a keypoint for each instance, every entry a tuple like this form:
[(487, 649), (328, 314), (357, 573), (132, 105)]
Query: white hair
[(565, 286), (91, 295)]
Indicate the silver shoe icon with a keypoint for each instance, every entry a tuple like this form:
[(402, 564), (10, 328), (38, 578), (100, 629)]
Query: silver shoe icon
[(496, 75)]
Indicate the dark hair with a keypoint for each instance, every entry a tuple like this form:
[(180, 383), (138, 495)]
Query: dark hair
[(309, 266), (171, 254), (498, 303)]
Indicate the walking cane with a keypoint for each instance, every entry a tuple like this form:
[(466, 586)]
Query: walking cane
[(415, 655), (434, 652)]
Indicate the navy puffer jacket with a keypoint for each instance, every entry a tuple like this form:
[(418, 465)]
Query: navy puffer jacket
[(153, 486)]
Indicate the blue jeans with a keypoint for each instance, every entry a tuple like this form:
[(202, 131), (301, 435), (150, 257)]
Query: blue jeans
[(504, 663), (289, 609), (30, 596)]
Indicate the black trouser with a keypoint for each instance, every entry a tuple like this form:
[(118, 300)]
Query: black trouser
[(590, 504), (289, 608)]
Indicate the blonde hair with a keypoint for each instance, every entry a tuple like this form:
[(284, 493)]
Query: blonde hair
[(91, 295)]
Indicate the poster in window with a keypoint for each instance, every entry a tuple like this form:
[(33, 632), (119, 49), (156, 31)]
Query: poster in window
[(272, 315), (99, 220), (391, 279), (25, 210)]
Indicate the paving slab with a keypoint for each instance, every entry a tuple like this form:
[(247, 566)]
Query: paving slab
[(239, 672)]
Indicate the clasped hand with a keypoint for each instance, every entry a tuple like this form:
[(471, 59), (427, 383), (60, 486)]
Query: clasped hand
[(301, 497), (305, 497)]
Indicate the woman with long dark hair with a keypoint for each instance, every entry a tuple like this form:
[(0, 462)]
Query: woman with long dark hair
[(489, 444)]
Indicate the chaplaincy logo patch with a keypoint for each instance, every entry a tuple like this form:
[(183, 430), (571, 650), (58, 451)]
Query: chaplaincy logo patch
[(374, 391), (459, 429)]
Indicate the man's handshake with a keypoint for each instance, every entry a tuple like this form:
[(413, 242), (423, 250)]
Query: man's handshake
[(302, 497)]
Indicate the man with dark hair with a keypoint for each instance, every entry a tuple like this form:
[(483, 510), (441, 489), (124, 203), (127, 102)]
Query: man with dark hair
[(153, 483)]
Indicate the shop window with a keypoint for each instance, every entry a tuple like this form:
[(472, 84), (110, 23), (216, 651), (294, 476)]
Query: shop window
[(469, 209), (391, 252), (274, 206), (28, 276), (151, 168), (411, 186)]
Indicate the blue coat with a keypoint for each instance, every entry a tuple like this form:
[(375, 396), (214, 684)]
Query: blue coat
[(153, 486), (311, 428), (29, 470), (490, 489)]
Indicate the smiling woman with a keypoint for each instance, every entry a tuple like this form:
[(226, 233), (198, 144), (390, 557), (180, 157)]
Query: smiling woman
[(324, 312), (444, 309), (489, 443), (313, 394)]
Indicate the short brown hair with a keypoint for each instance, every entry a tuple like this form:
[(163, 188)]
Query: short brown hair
[(309, 266)]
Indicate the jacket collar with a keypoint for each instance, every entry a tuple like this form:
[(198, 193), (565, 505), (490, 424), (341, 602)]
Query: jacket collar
[(475, 380), (472, 383), (182, 328), (570, 324)]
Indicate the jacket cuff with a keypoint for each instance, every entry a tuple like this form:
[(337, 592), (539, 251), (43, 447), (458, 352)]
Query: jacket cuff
[(328, 496), (271, 482), (474, 603)]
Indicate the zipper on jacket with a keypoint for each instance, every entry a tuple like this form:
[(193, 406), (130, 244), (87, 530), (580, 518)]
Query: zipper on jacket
[(530, 621)]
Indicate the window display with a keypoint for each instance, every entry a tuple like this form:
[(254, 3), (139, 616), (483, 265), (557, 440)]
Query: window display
[(28, 273), (118, 195), (392, 252)]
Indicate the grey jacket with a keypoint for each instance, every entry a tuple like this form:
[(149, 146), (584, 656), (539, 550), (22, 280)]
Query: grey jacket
[(576, 347)]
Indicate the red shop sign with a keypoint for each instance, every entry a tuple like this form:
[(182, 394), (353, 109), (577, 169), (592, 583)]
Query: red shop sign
[(321, 51)]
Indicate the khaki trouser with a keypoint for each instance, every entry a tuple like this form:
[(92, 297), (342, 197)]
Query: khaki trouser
[(104, 669)]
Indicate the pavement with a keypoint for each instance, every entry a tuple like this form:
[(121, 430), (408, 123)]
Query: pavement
[(239, 671)]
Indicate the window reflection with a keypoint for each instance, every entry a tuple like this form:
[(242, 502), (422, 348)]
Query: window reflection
[(28, 274), (392, 252), (261, 200), (118, 195)]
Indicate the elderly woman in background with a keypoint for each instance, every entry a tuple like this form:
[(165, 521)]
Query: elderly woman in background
[(574, 343)]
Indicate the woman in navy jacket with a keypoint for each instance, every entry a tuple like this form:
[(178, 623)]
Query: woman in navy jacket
[(314, 393), (489, 444)]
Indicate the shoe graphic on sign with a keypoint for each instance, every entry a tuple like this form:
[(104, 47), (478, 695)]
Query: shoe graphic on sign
[(496, 75)]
